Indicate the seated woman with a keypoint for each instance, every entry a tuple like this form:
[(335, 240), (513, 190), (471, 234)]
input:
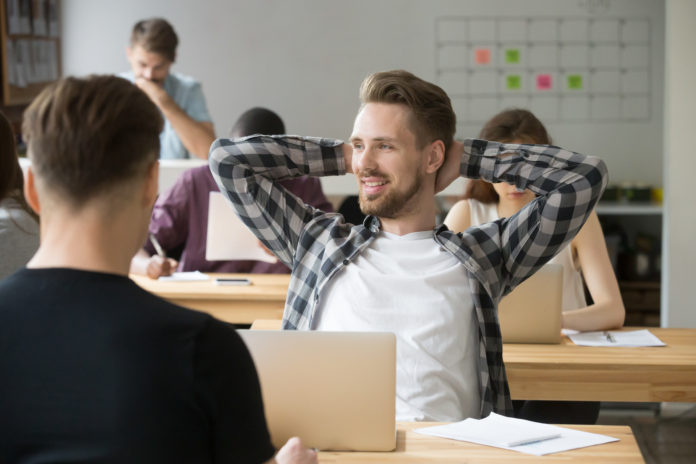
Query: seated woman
[(585, 257), (19, 226)]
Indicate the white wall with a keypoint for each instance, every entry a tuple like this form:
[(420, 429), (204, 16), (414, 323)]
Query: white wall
[(306, 58), (236, 48), (679, 246)]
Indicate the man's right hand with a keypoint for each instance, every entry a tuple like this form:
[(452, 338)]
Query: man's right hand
[(293, 452), (158, 266)]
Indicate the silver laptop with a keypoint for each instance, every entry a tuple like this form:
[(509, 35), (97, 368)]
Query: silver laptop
[(335, 390), (531, 313)]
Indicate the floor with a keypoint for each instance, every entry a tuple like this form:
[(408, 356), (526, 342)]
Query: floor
[(665, 435)]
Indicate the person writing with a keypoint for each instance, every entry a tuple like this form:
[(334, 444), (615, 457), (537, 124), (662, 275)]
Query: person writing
[(188, 129), (436, 290), (180, 216), (586, 256), (94, 368)]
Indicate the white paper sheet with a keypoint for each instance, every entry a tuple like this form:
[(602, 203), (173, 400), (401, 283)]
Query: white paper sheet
[(193, 276), (501, 432), (228, 237), (632, 338)]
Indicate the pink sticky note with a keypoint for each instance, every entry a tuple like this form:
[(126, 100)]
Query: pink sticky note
[(482, 55), (544, 82)]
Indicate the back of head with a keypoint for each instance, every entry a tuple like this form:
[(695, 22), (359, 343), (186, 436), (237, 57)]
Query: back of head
[(87, 136), (514, 125), (258, 121), (155, 35), (431, 110), (11, 178)]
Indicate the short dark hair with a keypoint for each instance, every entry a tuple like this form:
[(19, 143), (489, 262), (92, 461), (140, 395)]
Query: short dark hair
[(507, 126), (432, 115), (155, 35), (86, 136), (257, 121)]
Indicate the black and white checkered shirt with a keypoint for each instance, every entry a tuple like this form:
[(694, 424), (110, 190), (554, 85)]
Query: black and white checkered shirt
[(497, 256)]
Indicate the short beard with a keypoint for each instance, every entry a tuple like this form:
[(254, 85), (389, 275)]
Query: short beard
[(392, 204)]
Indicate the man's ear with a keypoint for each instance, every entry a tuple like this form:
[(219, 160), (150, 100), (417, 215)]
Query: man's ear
[(151, 186), (30, 193), (435, 156)]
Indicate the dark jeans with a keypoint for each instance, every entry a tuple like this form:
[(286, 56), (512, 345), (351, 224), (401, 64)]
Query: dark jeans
[(558, 412)]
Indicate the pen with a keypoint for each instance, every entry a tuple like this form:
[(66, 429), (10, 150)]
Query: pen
[(610, 338), (530, 441), (157, 246)]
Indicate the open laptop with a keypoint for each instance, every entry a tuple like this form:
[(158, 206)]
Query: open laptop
[(531, 313), (335, 390)]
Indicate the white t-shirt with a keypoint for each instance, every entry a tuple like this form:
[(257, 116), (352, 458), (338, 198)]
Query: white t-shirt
[(408, 285)]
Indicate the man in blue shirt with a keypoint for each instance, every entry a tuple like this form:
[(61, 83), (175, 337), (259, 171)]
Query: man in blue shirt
[(188, 129)]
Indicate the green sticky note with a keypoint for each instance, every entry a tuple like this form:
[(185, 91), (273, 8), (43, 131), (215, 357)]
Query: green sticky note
[(575, 82), (512, 55), (514, 82)]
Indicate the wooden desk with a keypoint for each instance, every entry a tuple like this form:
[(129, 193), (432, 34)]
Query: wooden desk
[(589, 373), (263, 299), (583, 373), (416, 448)]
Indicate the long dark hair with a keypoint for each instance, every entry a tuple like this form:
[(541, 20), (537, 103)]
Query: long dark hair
[(507, 126), (11, 176)]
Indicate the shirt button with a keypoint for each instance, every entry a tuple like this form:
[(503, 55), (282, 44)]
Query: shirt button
[(345, 262)]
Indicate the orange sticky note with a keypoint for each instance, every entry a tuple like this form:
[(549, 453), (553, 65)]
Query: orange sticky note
[(482, 55)]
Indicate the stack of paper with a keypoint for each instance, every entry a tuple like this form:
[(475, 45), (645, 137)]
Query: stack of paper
[(517, 435), (616, 338)]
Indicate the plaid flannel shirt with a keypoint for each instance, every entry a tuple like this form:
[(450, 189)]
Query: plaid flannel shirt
[(497, 256)]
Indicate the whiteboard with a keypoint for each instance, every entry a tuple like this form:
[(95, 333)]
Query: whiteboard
[(591, 69)]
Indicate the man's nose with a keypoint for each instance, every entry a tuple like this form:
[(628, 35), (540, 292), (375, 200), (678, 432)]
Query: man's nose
[(147, 73), (366, 159)]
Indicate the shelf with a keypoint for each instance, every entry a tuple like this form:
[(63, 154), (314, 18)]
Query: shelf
[(626, 209)]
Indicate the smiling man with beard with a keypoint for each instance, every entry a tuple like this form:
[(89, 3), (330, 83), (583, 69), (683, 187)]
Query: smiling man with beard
[(398, 271)]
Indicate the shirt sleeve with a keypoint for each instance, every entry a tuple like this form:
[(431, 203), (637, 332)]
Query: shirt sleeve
[(170, 215), (196, 106), (567, 185), (247, 172), (310, 191), (316, 196), (228, 387)]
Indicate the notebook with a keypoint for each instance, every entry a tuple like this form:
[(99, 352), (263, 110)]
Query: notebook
[(531, 313), (335, 390)]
